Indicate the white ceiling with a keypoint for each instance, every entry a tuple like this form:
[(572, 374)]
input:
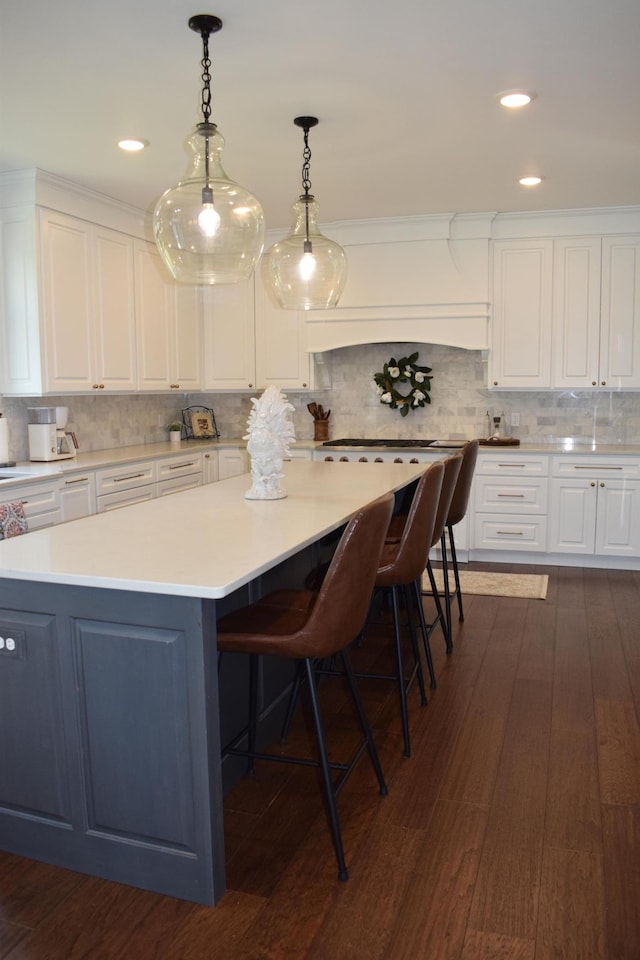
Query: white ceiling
[(405, 93)]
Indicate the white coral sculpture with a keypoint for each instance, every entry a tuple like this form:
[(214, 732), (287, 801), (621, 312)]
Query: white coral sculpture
[(270, 434)]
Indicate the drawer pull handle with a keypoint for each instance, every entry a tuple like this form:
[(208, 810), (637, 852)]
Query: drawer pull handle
[(509, 533), (521, 495), (133, 476), (179, 466), (597, 467), (78, 480), (512, 464)]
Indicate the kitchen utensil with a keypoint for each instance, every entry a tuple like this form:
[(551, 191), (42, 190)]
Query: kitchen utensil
[(313, 409)]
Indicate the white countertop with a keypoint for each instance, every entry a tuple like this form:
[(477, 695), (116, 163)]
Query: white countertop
[(204, 542)]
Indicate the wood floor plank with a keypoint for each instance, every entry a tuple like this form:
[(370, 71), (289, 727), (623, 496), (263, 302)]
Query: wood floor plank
[(618, 751), (209, 933), (571, 918), (432, 919), (30, 891), (506, 893), (621, 842), (493, 946), (573, 790)]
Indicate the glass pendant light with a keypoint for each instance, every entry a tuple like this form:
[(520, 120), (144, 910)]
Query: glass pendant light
[(208, 228), (306, 270)]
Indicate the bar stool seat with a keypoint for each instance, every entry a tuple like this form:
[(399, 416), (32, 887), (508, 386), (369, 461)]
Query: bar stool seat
[(307, 626)]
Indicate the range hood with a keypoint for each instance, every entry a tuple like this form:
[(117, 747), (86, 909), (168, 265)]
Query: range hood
[(426, 282)]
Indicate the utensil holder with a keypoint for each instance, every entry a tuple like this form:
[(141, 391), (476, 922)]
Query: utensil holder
[(320, 429)]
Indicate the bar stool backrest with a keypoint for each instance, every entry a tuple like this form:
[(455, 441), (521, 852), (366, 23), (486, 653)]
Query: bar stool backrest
[(342, 604), (461, 494), (451, 467), (404, 561)]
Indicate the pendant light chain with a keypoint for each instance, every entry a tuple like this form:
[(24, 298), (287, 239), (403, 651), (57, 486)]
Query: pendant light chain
[(206, 78), (306, 186)]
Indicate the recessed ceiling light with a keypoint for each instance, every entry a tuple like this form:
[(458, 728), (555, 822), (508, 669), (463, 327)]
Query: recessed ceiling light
[(131, 145), (530, 181), (516, 98)]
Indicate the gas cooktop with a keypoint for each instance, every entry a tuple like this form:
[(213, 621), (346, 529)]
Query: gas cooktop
[(357, 442)]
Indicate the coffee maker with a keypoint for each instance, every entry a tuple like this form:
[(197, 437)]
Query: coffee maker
[(47, 437)]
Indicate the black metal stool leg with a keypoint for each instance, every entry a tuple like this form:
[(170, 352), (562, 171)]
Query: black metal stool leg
[(456, 572), (447, 598), (293, 700), (364, 722), (414, 644), (332, 810), (425, 634), (441, 616), (402, 693)]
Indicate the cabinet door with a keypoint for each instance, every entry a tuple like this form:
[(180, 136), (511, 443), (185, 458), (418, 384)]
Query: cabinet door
[(115, 345), (66, 277), (576, 312), (229, 337), (155, 312), (572, 517), (282, 359), (78, 497), (186, 370), (618, 518), (521, 326), (231, 463), (620, 312), (210, 461)]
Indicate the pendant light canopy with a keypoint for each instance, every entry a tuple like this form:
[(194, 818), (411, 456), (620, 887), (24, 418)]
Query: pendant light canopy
[(306, 270), (208, 228)]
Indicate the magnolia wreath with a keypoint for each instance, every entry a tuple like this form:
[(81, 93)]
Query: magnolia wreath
[(394, 375)]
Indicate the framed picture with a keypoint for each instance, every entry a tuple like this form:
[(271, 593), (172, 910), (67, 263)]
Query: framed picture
[(202, 424)]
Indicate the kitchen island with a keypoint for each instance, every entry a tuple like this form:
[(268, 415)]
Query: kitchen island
[(109, 700)]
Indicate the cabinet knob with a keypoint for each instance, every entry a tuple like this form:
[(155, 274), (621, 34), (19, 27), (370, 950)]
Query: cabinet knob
[(328, 459), (207, 456), (96, 386), (363, 460), (594, 383), (602, 483), (344, 459), (495, 383), (304, 384), (378, 460), (603, 383), (398, 460), (592, 484), (174, 386), (251, 385), (102, 386)]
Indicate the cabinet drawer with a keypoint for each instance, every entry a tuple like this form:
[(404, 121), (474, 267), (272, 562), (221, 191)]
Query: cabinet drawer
[(125, 477), (41, 503), (175, 484), (179, 466), (517, 465), (511, 495), (123, 498), (613, 468), (510, 533)]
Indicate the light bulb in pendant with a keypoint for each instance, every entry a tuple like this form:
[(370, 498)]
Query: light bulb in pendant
[(307, 265), (209, 219)]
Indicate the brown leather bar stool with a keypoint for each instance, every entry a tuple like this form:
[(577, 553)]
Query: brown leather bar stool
[(457, 511), (451, 466), (401, 566), (309, 626)]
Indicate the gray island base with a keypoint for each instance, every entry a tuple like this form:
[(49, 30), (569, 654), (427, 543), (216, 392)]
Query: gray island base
[(110, 709)]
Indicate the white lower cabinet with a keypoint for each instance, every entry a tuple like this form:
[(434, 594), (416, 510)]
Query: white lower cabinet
[(210, 466), (595, 506), (78, 496), (178, 473), (232, 463), (122, 485), (510, 502), (40, 501)]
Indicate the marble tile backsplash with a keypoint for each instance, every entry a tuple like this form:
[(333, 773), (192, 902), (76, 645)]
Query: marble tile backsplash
[(459, 397)]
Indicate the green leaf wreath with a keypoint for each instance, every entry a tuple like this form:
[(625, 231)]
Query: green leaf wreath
[(404, 370)]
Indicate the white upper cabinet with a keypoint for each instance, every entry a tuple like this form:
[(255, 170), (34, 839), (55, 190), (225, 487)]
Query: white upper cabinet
[(250, 344), (168, 323), (229, 337), (68, 319), (596, 312), (620, 312), (282, 358), (520, 354)]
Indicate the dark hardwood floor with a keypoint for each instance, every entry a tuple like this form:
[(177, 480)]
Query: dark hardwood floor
[(513, 831)]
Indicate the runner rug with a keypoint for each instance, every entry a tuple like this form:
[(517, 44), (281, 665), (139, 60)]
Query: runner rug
[(529, 586)]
